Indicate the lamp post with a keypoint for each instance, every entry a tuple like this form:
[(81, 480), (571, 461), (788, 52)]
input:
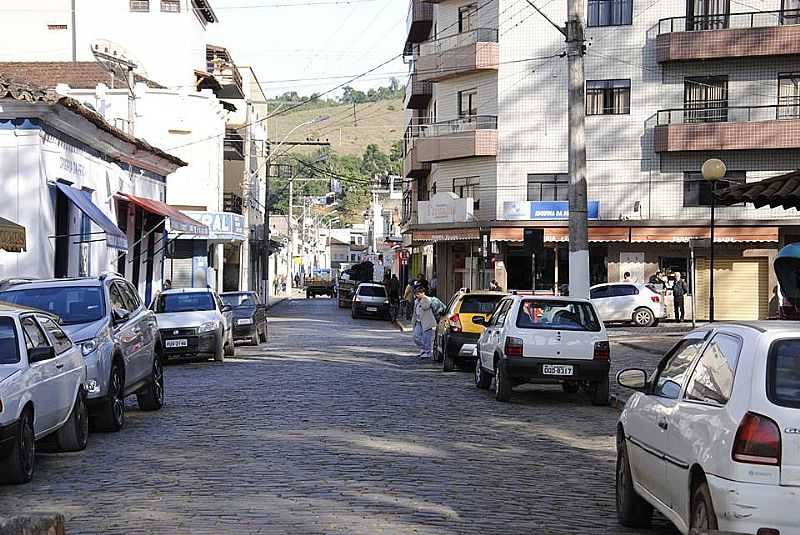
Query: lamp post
[(713, 171)]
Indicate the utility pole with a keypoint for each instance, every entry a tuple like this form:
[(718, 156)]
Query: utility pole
[(248, 195), (74, 34), (355, 117), (265, 251), (290, 231)]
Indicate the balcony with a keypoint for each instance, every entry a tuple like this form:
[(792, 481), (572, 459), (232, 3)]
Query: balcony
[(419, 21), (728, 128), (233, 203), (220, 65), (418, 93), (456, 55), (412, 166), (757, 34), (234, 144), (467, 137)]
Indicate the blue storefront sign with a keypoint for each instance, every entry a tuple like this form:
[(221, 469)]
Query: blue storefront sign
[(544, 210)]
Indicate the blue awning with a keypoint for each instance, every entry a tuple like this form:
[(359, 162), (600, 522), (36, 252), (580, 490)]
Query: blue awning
[(115, 238)]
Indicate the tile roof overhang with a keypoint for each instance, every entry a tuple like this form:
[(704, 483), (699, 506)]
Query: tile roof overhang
[(77, 75), (781, 191)]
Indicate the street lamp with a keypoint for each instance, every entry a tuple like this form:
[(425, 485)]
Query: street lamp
[(713, 171)]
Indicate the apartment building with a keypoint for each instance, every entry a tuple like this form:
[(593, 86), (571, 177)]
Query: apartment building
[(669, 85)]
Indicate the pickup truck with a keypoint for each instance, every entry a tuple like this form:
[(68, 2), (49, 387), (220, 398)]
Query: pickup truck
[(319, 285)]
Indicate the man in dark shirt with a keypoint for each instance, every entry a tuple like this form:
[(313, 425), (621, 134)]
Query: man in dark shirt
[(679, 290)]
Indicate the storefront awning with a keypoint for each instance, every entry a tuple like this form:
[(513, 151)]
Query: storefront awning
[(596, 234), (515, 234), (178, 221), (115, 238), (12, 236), (459, 234), (721, 234)]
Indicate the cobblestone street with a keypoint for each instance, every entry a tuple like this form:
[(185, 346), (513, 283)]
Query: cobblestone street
[(335, 427)]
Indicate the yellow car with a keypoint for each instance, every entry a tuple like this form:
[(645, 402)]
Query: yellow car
[(456, 334)]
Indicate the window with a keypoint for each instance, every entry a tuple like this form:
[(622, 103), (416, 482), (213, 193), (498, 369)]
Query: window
[(697, 190), (783, 373), (61, 341), (790, 11), (557, 315), (74, 305), (56, 26), (707, 14), (478, 304), (170, 6), (705, 100), (622, 290), (117, 299), (789, 95), (548, 187), (670, 380), (372, 291), (422, 189), (34, 336), (610, 12), (129, 296), (140, 6), (468, 103), (499, 316), (468, 187), (601, 292), (608, 97), (467, 18), (712, 379), (9, 346), (185, 302)]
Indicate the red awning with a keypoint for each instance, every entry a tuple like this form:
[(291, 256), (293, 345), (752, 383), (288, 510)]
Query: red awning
[(178, 221)]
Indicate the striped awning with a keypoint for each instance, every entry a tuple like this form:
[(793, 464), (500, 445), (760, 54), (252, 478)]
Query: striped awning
[(12, 236), (458, 234)]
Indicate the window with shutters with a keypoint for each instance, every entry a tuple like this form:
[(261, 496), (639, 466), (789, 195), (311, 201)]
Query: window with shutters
[(139, 6), (608, 97), (170, 6)]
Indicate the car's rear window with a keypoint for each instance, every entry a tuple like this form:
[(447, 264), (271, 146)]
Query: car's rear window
[(783, 381), (560, 315), (479, 304), (372, 291), (185, 302), (9, 347)]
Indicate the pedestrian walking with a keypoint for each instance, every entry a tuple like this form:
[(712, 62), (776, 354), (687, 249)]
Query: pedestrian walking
[(296, 280), (679, 290), (408, 300), (424, 323), (393, 289), (434, 286)]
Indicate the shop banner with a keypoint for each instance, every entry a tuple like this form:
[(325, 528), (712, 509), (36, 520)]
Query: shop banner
[(544, 210)]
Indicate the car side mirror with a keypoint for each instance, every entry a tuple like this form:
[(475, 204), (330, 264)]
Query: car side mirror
[(40, 354), (120, 315), (633, 378), (226, 308), (479, 320)]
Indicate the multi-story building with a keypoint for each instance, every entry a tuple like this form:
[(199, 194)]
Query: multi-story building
[(669, 85)]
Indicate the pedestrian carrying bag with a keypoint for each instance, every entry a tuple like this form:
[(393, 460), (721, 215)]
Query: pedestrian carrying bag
[(437, 307)]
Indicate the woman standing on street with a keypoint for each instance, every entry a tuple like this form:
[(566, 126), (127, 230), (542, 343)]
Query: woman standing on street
[(424, 323)]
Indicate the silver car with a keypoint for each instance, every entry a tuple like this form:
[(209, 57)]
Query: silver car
[(116, 333), (628, 302), (371, 299)]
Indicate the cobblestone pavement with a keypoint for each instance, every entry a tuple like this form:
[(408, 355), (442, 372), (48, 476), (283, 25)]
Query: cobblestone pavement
[(334, 427)]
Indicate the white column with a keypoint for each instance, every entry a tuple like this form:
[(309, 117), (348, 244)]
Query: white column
[(219, 259)]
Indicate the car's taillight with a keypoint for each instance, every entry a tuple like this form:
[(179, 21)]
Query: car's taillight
[(514, 347), (655, 298), (602, 351), (455, 323), (758, 441)]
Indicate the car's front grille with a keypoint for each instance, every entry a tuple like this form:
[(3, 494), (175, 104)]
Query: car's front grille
[(186, 331)]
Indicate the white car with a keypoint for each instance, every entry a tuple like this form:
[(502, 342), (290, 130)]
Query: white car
[(42, 377), (536, 339), (194, 322), (712, 440), (628, 302)]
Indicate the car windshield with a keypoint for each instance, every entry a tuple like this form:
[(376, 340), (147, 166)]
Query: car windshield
[(372, 291), (243, 300), (184, 302), (9, 347), (73, 304), (560, 315), (479, 304), (784, 373)]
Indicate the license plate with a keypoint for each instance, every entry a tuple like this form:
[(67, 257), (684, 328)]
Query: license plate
[(557, 369), (244, 322), (177, 343), (372, 309)]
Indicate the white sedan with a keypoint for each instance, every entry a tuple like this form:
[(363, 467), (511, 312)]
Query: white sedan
[(712, 440), (628, 302), (42, 376)]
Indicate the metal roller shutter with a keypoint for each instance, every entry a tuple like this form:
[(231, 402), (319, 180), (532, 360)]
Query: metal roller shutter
[(741, 288)]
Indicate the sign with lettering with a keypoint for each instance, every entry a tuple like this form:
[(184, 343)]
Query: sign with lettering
[(544, 210), (222, 226)]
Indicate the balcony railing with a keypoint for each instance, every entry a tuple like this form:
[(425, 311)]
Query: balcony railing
[(419, 21), (470, 123), (233, 203), (720, 112), (478, 35), (755, 19), (418, 92)]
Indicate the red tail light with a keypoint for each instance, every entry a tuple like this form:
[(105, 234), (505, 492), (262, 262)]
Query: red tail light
[(602, 351), (655, 298), (455, 323), (514, 347), (758, 441)]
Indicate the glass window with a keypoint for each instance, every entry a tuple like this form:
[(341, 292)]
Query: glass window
[(60, 341), (9, 344), (790, 11), (608, 97), (171, 6), (707, 14), (783, 375), (623, 290), (372, 291), (479, 304), (789, 95), (467, 17), (468, 187), (117, 300), (185, 302), (705, 100), (670, 379), (601, 292), (610, 12), (697, 190), (73, 304), (243, 300), (559, 315), (129, 297), (140, 5), (34, 336), (712, 379), (499, 317), (548, 187), (468, 102)]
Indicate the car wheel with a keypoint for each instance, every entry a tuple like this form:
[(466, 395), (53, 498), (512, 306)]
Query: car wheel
[(448, 362), (598, 391), (74, 434), (643, 317), (230, 348), (19, 465), (482, 379), (632, 510), (703, 516), (151, 398), (111, 415), (569, 387), (219, 354), (502, 385)]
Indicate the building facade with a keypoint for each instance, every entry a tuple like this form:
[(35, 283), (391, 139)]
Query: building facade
[(669, 85)]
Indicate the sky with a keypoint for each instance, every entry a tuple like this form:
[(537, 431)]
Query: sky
[(319, 41)]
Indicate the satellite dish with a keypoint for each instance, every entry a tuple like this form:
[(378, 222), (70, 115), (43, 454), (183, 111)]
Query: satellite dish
[(115, 58)]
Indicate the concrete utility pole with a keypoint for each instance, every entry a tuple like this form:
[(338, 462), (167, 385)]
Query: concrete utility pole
[(289, 228), (249, 194), (74, 34)]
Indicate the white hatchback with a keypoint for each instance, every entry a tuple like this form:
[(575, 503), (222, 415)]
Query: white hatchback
[(42, 377), (549, 340), (628, 302), (712, 440)]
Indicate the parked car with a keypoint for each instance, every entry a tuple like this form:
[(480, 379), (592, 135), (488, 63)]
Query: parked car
[(370, 299), (249, 316), (194, 322), (456, 334), (628, 302), (116, 333), (42, 376), (537, 339), (712, 439)]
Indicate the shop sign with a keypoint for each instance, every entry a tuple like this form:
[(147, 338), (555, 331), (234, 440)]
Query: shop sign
[(445, 207), (544, 210), (222, 226), (447, 235)]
